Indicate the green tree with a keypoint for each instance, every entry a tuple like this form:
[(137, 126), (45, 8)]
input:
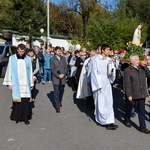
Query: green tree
[(54, 14), (140, 8), (26, 16), (114, 28), (63, 21), (4, 10), (83, 8)]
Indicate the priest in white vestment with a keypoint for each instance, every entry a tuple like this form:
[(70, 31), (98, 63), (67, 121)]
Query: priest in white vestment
[(102, 75), (19, 79), (98, 54)]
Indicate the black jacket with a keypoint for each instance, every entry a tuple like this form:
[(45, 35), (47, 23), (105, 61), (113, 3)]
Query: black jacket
[(135, 81), (79, 64), (40, 58)]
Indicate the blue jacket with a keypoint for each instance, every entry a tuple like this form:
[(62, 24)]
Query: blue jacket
[(47, 60)]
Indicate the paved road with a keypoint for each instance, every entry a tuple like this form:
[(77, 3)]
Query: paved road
[(73, 129)]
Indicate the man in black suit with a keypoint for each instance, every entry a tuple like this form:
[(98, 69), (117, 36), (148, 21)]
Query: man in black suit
[(59, 72)]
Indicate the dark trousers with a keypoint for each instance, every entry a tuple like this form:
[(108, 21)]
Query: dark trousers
[(58, 94), (140, 103), (40, 74)]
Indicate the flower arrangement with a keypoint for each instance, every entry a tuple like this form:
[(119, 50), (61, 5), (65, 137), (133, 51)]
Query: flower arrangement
[(132, 48)]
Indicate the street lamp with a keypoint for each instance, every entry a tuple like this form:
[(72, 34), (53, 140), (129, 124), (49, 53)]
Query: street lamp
[(42, 30), (78, 47), (43, 38), (48, 32)]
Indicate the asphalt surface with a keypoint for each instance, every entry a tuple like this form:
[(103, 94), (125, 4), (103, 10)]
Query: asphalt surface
[(73, 129)]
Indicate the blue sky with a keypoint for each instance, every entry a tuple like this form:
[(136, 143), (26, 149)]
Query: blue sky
[(56, 1), (108, 1)]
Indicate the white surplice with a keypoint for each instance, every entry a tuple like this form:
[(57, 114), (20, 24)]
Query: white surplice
[(83, 89), (102, 91), (90, 67), (73, 67), (23, 83)]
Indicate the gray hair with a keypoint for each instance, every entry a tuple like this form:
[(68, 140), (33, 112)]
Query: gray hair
[(132, 56), (93, 51)]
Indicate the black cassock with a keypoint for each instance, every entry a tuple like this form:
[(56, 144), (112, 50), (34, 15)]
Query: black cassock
[(21, 111), (79, 64)]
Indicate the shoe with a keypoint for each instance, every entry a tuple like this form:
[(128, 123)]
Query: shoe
[(60, 104), (116, 126), (111, 127), (50, 81), (27, 122), (98, 124), (58, 110), (43, 82), (146, 131), (127, 124)]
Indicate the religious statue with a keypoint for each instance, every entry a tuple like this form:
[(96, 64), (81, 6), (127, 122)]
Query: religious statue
[(137, 35)]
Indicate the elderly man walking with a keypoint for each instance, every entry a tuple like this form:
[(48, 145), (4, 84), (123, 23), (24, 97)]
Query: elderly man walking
[(135, 88)]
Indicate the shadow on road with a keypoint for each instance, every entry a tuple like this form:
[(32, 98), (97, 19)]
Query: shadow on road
[(120, 104), (148, 116), (81, 104), (51, 97)]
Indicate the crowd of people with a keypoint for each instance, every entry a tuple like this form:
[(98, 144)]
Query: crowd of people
[(91, 73)]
